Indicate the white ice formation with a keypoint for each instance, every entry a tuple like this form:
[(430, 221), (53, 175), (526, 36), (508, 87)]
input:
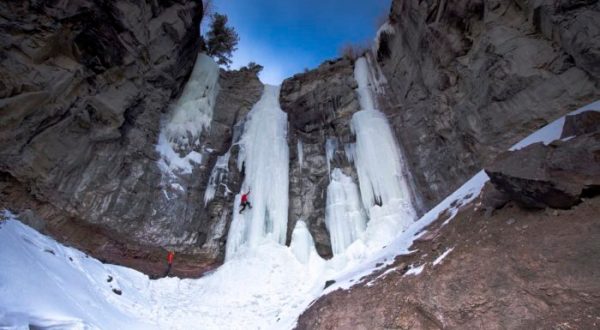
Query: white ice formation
[(193, 111), (178, 141), (381, 169), (331, 145), (344, 218), (300, 149), (264, 157)]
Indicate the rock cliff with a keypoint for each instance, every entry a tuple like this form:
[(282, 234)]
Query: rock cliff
[(320, 105), (469, 78)]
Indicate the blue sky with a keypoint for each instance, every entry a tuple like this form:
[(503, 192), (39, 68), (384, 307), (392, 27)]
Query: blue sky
[(288, 36)]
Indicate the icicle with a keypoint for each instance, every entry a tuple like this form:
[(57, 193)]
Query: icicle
[(218, 173), (345, 218), (350, 150), (300, 153), (331, 145), (265, 155)]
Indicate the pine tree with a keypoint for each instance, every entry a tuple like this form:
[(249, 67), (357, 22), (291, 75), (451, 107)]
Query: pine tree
[(222, 39)]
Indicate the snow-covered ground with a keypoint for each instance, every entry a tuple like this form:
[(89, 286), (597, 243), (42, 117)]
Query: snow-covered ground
[(264, 284)]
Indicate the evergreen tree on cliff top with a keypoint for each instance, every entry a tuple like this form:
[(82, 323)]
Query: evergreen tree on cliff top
[(221, 39)]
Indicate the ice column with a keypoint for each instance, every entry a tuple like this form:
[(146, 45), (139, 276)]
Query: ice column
[(380, 167), (344, 217), (302, 244), (264, 155), (331, 145)]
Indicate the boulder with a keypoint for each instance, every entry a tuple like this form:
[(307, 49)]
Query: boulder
[(581, 123), (492, 198), (554, 175)]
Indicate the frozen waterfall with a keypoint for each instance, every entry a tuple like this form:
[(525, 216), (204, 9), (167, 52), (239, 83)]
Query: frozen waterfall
[(193, 111), (379, 163), (264, 157), (345, 218), (179, 139)]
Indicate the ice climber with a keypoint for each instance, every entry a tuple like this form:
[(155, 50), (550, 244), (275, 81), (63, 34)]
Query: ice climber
[(245, 202), (170, 256)]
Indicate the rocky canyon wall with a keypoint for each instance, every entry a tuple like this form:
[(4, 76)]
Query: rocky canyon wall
[(84, 86), (469, 78)]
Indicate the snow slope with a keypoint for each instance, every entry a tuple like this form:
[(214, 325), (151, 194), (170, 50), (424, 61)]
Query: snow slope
[(45, 284)]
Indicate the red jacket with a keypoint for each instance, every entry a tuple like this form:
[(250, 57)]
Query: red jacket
[(170, 256), (245, 197)]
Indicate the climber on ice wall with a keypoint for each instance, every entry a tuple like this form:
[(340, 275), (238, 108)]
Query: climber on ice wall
[(244, 202)]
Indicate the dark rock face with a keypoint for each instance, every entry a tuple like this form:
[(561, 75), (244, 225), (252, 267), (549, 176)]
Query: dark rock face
[(469, 78), (83, 88), (320, 105), (554, 176)]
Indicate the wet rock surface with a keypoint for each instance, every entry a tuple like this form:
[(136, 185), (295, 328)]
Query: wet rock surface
[(469, 78), (517, 269)]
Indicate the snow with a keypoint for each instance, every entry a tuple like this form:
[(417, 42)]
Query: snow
[(345, 218), (414, 270), (172, 162), (265, 156), (66, 289), (442, 256), (193, 111), (45, 284), (400, 245)]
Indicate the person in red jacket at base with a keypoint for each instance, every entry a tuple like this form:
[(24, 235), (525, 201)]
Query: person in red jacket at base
[(245, 202), (170, 256)]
